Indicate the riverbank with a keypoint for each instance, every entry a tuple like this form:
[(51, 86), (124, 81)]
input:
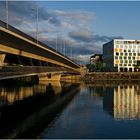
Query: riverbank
[(111, 76)]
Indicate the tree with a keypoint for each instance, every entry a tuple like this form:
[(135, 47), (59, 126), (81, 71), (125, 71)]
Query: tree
[(99, 66)]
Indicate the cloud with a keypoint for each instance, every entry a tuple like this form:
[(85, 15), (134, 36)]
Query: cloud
[(77, 15), (57, 28), (104, 38), (87, 36), (84, 36), (20, 11), (72, 20)]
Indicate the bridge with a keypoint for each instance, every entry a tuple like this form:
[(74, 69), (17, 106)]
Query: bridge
[(21, 55)]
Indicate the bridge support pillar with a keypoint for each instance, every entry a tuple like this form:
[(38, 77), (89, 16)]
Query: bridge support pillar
[(49, 77), (2, 57), (70, 78)]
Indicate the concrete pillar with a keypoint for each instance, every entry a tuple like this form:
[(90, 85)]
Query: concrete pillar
[(2, 57), (49, 77), (70, 78)]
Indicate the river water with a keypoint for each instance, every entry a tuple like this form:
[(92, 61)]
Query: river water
[(70, 110)]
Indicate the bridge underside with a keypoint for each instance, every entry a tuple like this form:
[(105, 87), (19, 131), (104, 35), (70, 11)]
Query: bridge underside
[(19, 48), (43, 72), (21, 55)]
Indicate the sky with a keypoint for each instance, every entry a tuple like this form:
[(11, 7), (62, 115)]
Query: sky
[(77, 29)]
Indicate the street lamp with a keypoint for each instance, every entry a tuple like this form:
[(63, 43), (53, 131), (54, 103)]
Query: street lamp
[(56, 41), (7, 14), (36, 22), (71, 53), (64, 47)]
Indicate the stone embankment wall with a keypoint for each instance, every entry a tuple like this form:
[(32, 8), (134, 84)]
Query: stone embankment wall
[(90, 77)]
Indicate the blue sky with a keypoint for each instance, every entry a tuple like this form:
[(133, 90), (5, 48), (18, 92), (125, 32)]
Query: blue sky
[(79, 27)]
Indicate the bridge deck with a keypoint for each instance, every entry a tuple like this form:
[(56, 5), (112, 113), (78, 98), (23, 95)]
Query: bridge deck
[(16, 42)]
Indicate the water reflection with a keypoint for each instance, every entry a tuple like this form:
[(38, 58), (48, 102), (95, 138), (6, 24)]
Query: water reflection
[(56, 85), (8, 95), (127, 102), (24, 107), (121, 101)]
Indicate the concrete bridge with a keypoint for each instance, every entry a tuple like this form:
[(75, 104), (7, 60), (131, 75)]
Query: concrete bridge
[(22, 55)]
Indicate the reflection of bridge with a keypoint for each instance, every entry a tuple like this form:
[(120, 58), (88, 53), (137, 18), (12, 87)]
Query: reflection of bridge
[(19, 93), (19, 49)]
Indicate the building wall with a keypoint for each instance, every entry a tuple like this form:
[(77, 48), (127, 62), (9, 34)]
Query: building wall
[(124, 56), (108, 56)]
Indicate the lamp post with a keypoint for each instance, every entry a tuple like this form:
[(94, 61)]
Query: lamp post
[(71, 53), (56, 42), (7, 14), (64, 47), (36, 22)]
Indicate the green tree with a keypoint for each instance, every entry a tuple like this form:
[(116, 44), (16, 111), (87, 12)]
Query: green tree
[(99, 66)]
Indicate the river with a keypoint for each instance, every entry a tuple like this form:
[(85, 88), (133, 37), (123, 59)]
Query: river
[(70, 110)]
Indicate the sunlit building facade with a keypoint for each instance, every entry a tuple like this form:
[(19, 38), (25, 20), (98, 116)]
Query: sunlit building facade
[(122, 55)]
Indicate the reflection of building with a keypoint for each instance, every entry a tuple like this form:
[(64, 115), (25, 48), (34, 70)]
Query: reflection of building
[(122, 55), (124, 103)]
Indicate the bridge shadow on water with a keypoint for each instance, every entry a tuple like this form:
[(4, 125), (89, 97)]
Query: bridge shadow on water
[(25, 111)]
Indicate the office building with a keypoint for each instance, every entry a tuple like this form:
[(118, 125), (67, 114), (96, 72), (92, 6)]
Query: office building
[(122, 55)]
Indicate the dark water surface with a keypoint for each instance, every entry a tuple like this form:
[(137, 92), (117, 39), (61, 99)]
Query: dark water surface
[(66, 110)]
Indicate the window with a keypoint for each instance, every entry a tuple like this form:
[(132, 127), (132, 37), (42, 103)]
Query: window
[(117, 53), (120, 57), (125, 51), (134, 54), (125, 54), (121, 61), (129, 50), (121, 54), (125, 46), (130, 61), (120, 50), (116, 49), (126, 61), (117, 61), (129, 57), (130, 54), (124, 57)]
